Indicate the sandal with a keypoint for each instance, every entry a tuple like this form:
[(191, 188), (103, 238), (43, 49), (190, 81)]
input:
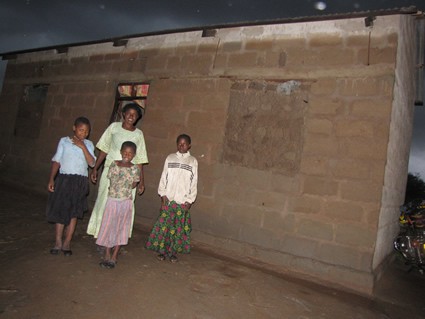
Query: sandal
[(174, 259), (109, 264), (55, 251), (160, 257), (67, 252)]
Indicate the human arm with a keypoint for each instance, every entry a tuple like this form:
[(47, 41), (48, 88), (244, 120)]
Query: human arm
[(140, 159), (56, 160), (53, 171), (136, 176), (90, 159), (193, 188), (99, 161), (162, 187), (141, 187), (104, 146)]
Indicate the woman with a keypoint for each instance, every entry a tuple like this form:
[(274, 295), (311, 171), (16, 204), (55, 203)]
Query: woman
[(110, 146)]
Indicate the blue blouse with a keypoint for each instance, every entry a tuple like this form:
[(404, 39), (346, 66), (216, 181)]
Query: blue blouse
[(71, 157)]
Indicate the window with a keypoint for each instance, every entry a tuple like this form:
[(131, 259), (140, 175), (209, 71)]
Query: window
[(30, 111), (129, 93)]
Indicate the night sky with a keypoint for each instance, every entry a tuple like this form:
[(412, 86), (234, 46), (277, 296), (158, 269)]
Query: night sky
[(27, 24)]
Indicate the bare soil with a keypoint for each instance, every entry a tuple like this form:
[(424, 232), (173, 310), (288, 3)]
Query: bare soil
[(35, 284)]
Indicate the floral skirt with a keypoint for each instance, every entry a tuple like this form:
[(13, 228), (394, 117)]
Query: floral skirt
[(171, 233)]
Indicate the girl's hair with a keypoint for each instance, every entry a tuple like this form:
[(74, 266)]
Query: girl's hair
[(133, 106), (184, 136), (130, 145), (82, 120)]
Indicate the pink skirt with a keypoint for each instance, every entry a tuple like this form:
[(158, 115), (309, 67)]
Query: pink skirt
[(116, 223)]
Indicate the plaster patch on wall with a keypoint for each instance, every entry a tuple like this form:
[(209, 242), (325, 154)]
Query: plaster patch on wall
[(264, 128), (288, 87)]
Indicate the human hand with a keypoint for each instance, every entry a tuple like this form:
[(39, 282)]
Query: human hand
[(140, 189), (51, 186), (93, 176), (77, 142), (164, 201)]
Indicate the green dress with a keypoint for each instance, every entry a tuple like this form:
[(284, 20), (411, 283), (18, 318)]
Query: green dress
[(110, 143)]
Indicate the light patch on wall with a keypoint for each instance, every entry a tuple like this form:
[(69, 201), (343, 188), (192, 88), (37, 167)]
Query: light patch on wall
[(288, 87)]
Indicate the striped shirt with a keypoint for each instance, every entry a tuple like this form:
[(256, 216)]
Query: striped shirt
[(179, 178)]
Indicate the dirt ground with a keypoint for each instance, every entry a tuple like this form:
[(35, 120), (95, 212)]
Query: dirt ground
[(35, 284)]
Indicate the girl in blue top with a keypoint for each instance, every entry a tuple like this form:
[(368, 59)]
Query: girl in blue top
[(68, 189)]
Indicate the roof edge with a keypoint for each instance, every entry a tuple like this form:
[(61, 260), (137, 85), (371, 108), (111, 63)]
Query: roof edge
[(336, 16)]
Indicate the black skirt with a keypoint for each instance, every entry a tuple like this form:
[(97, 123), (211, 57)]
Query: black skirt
[(69, 200)]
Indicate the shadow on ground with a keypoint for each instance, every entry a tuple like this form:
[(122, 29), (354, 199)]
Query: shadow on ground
[(35, 284)]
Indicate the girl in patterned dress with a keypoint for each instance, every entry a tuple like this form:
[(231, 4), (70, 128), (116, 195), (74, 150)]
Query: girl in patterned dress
[(116, 225), (178, 189)]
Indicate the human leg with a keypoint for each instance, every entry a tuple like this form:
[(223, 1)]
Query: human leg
[(115, 252), (70, 229), (108, 253), (110, 260), (181, 233), (114, 230), (160, 237), (104, 263), (55, 214), (59, 233), (58, 239)]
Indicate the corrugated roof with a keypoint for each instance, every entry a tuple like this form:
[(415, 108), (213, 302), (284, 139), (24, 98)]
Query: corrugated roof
[(335, 16)]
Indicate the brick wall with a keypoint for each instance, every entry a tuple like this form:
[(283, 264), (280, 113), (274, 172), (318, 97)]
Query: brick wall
[(296, 129), (399, 144)]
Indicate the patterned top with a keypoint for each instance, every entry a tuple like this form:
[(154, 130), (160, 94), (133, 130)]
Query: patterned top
[(71, 158), (121, 180), (111, 140)]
